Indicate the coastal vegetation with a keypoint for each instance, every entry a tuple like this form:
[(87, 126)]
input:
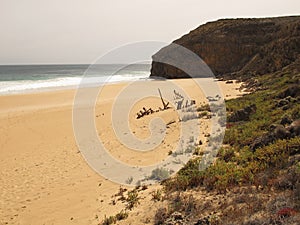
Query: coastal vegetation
[(260, 157), (255, 178)]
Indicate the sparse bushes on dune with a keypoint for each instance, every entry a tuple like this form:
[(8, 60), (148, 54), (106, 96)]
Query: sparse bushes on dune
[(274, 165), (114, 219), (233, 169)]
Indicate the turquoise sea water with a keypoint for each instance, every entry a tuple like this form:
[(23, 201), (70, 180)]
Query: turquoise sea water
[(28, 78)]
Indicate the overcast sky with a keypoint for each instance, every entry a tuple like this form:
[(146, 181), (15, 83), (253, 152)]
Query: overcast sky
[(79, 31)]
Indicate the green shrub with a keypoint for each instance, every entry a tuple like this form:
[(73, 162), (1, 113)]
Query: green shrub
[(222, 175), (157, 195), (159, 174), (182, 202), (226, 154), (132, 199), (113, 219), (122, 215), (109, 220)]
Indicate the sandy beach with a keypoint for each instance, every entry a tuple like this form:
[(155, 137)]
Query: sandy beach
[(43, 177)]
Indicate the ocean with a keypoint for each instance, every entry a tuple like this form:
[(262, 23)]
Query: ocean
[(16, 79)]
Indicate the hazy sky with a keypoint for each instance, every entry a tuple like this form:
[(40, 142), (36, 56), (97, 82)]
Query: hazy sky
[(79, 31)]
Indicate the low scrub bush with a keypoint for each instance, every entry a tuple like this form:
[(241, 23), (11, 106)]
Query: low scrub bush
[(132, 199)]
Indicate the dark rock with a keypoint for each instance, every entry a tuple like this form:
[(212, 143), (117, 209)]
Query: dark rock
[(281, 133), (294, 100), (286, 107), (285, 120), (250, 109), (277, 132), (291, 91), (262, 141), (241, 48), (294, 128), (239, 115), (242, 114), (282, 102), (273, 126), (251, 85)]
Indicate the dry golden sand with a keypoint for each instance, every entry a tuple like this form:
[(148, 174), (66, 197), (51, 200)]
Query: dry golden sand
[(43, 177)]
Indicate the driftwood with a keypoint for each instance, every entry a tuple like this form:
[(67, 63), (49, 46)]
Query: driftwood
[(179, 104), (163, 102), (145, 111), (213, 99), (179, 101), (177, 95)]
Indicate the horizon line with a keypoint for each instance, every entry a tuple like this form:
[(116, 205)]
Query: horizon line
[(72, 64)]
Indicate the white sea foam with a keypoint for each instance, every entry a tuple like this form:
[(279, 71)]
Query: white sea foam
[(25, 86)]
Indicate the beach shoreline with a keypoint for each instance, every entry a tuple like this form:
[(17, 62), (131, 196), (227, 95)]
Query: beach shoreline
[(44, 178)]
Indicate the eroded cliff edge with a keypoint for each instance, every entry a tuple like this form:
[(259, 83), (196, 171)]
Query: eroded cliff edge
[(239, 48)]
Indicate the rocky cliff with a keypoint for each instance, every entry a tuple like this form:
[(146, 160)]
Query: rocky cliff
[(239, 48)]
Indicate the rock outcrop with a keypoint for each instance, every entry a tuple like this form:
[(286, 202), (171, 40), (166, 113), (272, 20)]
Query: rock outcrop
[(239, 48), (277, 132), (242, 114)]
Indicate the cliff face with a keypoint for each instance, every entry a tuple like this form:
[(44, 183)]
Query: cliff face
[(239, 47)]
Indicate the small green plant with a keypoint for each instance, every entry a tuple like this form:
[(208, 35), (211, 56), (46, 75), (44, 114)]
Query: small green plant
[(203, 114), (122, 215), (129, 180), (157, 195), (109, 220), (120, 194), (132, 199)]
